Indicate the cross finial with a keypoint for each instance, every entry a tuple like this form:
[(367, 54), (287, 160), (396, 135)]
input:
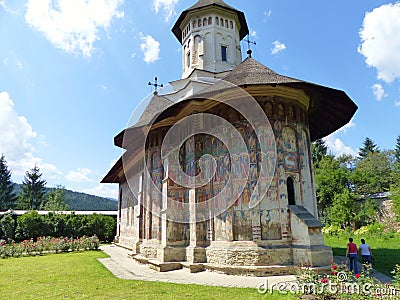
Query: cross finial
[(249, 42), (156, 85)]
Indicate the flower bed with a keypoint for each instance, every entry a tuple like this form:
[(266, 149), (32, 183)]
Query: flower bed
[(47, 245), (343, 284)]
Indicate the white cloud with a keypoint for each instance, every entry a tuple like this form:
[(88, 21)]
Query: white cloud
[(103, 190), (253, 33), (16, 137), (72, 25), (150, 48), (380, 41), (335, 145), (267, 14), (397, 103), (80, 175), (167, 5), (378, 91), (278, 47), (19, 64), (4, 5)]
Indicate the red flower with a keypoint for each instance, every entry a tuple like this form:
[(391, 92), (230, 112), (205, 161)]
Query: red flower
[(357, 276), (324, 280), (334, 273), (334, 267)]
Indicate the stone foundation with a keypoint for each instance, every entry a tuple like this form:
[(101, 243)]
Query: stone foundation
[(171, 254), (196, 254), (247, 254)]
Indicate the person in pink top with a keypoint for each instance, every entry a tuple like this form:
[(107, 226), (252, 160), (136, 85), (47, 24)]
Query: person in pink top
[(352, 254)]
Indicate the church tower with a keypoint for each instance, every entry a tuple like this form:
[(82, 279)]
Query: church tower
[(210, 33)]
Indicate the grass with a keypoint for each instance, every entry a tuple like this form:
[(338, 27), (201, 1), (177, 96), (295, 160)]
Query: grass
[(82, 276), (386, 250)]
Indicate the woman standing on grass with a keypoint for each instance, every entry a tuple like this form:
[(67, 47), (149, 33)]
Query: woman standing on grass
[(351, 253)]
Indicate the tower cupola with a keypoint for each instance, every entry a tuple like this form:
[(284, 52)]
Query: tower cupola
[(210, 33)]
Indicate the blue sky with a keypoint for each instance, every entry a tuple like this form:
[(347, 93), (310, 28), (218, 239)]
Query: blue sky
[(73, 71)]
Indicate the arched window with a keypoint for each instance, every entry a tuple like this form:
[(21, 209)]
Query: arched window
[(226, 24), (222, 22), (209, 21), (231, 24), (205, 22), (194, 24), (188, 59), (290, 191), (217, 20), (199, 23)]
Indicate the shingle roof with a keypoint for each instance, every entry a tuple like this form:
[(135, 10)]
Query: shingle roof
[(157, 105), (244, 30), (331, 108)]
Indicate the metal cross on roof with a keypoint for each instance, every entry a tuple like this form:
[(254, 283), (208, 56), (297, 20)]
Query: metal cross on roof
[(156, 86), (249, 42)]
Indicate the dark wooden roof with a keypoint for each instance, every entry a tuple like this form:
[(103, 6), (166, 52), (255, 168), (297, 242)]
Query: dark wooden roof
[(156, 106), (244, 29), (330, 109)]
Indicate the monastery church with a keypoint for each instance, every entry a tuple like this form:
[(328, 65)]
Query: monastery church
[(217, 172)]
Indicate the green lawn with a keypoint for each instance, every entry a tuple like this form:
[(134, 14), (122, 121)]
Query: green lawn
[(82, 276), (386, 250)]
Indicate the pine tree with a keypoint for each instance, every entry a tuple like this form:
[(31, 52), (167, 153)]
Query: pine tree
[(33, 190), (397, 149), (319, 149), (7, 195), (368, 147)]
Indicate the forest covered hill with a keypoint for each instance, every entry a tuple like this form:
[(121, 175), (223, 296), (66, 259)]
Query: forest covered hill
[(82, 201)]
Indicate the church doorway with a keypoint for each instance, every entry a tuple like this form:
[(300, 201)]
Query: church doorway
[(290, 191)]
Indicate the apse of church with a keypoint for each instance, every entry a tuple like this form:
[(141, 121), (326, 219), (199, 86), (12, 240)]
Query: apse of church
[(217, 174)]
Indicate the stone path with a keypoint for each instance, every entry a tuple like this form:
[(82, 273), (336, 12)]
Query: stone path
[(124, 267), (340, 260)]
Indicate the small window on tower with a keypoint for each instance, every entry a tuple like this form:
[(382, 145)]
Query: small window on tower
[(223, 52), (217, 20), (188, 59)]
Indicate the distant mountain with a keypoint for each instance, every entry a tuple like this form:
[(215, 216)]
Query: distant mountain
[(82, 201)]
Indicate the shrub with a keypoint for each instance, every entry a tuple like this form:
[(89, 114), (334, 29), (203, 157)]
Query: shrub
[(372, 229), (101, 226), (47, 245), (7, 226), (30, 225), (341, 283), (333, 230)]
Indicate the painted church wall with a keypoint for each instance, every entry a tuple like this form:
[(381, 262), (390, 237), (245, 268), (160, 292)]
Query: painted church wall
[(239, 222)]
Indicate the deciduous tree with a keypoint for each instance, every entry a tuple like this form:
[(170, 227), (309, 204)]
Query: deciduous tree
[(331, 178), (373, 174), (55, 200)]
